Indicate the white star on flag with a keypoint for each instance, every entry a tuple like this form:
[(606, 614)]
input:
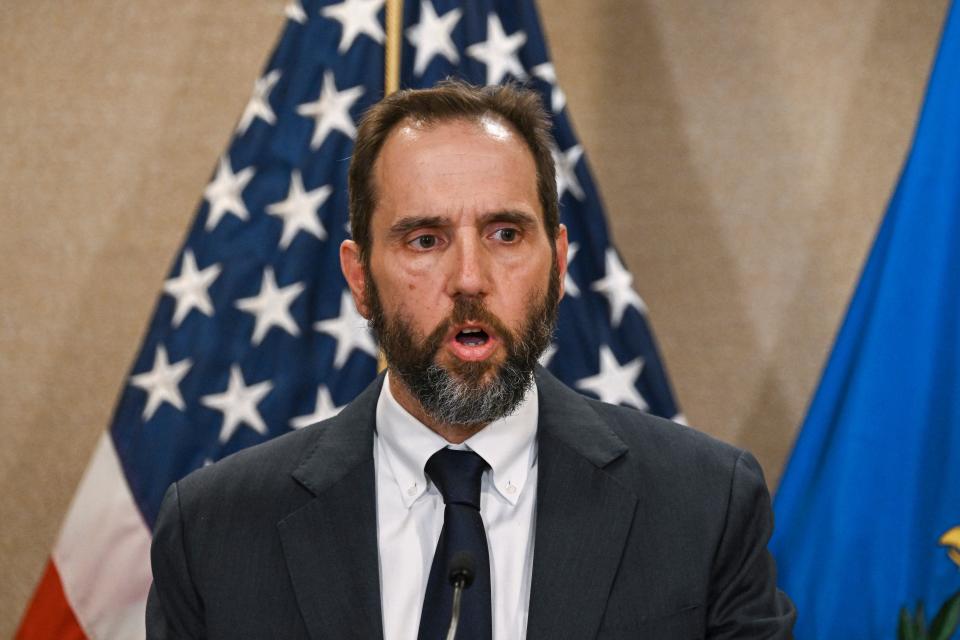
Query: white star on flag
[(357, 17), (223, 193), (271, 306), (499, 51), (294, 11), (617, 286), (547, 355), (569, 285), (259, 105), (299, 210), (162, 382), (238, 404), (324, 409), (566, 166), (614, 383), (190, 288), (548, 74), (331, 111), (432, 36), (350, 331)]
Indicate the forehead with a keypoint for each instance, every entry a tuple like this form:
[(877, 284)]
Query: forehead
[(475, 162)]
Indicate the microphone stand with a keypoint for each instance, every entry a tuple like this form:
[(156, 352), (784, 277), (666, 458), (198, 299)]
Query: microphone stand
[(462, 570), (458, 586)]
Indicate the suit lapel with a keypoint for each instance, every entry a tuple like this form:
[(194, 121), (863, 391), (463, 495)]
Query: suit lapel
[(330, 544), (583, 516)]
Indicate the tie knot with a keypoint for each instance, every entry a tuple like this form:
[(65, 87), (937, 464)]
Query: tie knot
[(457, 475)]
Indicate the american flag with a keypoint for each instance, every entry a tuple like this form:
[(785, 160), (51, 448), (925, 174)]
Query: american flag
[(255, 332)]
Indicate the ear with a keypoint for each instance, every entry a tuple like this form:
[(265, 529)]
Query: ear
[(562, 244), (352, 266)]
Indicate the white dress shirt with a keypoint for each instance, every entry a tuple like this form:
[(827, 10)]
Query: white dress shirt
[(410, 513)]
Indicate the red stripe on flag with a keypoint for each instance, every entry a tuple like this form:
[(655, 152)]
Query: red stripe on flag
[(49, 616)]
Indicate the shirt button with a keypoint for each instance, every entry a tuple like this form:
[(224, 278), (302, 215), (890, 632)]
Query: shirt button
[(412, 490), (511, 488)]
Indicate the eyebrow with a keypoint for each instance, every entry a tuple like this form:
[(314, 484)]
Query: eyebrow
[(520, 218), (407, 224)]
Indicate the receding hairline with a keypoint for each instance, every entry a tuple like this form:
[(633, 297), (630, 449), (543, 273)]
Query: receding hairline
[(493, 122), (490, 122)]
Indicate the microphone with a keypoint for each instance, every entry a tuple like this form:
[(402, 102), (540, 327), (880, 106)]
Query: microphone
[(461, 572)]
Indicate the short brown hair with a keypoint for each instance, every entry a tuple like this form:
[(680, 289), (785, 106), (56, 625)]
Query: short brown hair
[(449, 100)]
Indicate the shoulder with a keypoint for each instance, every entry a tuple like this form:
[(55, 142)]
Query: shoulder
[(646, 453), (625, 432), (256, 465), (709, 485), (655, 440), (679, 460), (254, 480)]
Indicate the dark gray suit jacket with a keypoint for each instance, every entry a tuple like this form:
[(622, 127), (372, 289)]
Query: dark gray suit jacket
[(644, 529)]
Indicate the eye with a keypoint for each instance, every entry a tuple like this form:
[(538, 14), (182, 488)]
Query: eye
[(506, 234), (425, 241)]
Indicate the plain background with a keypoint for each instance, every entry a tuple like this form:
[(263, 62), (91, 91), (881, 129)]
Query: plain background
[(745, 149)]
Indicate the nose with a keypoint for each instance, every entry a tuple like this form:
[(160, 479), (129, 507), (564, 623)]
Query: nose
[(470, 268)]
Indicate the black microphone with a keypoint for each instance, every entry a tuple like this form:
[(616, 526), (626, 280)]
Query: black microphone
[(461, 572)]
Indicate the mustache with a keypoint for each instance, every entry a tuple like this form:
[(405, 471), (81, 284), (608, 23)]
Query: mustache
[(466, 310)]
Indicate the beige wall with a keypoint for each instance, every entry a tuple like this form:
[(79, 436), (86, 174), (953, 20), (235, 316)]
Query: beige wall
[(745, 150)]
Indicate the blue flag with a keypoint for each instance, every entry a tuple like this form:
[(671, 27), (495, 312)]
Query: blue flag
[(256, 334), (869, 505)]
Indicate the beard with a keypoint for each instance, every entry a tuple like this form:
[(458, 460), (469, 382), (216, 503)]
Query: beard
[(466, 393)]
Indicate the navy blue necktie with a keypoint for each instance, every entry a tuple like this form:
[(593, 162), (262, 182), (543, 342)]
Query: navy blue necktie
[(457, 475)]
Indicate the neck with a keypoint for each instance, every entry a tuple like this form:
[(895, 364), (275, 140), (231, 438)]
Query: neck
[(452, 433)]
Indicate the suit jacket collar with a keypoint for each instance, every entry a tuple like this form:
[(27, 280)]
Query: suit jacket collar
[(583, 517), (341, 443), (567, 416)]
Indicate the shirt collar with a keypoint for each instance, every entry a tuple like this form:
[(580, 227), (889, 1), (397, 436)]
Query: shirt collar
[(507, 445)]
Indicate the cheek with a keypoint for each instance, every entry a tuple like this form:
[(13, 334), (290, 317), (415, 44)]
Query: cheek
[(423, 280), (410, 269), (520, 278), (525, 285), (401, 280), (414, 306)]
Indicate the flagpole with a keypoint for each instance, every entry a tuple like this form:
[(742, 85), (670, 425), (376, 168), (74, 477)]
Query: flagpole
[(391, 80), (394, 43)]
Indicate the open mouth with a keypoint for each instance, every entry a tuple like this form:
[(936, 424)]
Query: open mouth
[(473, 342), (472, 337)]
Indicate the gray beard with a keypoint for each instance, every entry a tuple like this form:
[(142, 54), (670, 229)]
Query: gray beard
[(449, 400), (461, 396)]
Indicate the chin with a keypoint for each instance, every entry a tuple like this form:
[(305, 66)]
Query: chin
[(472, 372)]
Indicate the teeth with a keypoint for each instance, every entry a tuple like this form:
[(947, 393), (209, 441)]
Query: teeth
[(471, 331)]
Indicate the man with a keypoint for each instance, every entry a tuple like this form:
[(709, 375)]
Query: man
[(578, 519)]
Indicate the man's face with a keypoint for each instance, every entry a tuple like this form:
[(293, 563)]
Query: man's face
[(463, 282)]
